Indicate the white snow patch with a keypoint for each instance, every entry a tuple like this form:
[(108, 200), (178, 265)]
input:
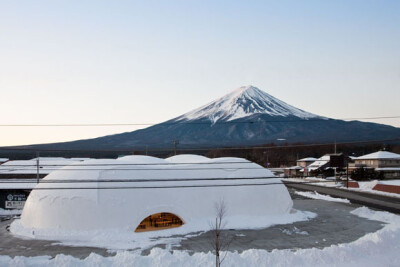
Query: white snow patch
[(390, 182), (316, 195), (295, 230), (127, 239)]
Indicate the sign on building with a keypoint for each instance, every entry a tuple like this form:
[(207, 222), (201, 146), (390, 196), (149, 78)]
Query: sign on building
[(337, 161), (15, 201)]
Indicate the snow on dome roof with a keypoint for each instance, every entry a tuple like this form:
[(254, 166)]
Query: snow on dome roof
[(188, 158), (108, 194), (140, 159), (380, 155)]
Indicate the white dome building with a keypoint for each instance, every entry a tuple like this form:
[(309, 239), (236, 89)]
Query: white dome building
[(107, 194)]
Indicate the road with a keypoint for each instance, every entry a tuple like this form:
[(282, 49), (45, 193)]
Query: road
[(380, 202)]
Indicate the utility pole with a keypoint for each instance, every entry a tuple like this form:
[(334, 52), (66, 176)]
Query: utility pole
[(176, 143), (335, 147), (37, 167), (347, 173), (146, 149), (335, 167)]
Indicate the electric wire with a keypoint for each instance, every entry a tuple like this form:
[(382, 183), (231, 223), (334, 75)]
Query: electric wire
[(145, 180), (170, 187)]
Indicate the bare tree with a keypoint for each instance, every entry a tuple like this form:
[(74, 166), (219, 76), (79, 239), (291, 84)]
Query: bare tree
[(220, 238)]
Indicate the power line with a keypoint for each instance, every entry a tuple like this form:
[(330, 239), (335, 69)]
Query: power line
[(170, 187), (131, 164), (147, 180), (9, 166), (188, 122), (152, 169)]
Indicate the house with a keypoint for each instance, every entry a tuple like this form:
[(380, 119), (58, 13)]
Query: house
[(319, 164), (327, 165), (386, 162), (294, 171), (305, 162)]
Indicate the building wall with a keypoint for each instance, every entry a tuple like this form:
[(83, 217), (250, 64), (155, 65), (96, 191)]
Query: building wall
[(304, 164), (378, 163)]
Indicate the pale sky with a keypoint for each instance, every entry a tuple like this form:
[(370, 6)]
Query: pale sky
[(149, 61)]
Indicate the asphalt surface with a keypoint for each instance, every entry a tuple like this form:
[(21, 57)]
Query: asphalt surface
[(334, 224), (391, 204)]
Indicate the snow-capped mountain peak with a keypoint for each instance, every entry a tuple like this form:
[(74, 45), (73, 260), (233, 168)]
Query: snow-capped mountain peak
[(243, 102)]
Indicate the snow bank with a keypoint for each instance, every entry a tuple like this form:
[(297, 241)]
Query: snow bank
[(375, 249), (316, 195)]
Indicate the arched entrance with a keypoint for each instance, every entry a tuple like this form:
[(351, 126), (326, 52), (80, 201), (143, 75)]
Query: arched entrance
[(159, 221)]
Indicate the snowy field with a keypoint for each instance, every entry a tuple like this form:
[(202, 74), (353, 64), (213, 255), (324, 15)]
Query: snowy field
[(374, 249), (127, 239)]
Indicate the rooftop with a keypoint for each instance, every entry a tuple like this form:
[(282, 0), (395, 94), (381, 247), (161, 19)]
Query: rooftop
[(308, 159), (380, 155)]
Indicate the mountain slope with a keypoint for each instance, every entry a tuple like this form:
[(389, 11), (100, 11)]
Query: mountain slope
[(244, 102), (246, 116)]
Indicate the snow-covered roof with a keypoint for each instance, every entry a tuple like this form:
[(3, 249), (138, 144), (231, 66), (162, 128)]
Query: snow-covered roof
[(307, 159), (380, 155), (319, 163), (3, 159), (46, 165), (101, 194), (18, 183)]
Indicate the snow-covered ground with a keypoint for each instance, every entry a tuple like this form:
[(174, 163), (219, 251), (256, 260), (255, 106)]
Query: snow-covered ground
[(367, 188), (315, 195), (391, 182), (375, 249), (127, 239)]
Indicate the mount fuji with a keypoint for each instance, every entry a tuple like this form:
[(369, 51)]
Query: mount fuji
[(244, 117), (244, 102)]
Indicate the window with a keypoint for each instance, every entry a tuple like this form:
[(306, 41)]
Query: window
[(159, 221)]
